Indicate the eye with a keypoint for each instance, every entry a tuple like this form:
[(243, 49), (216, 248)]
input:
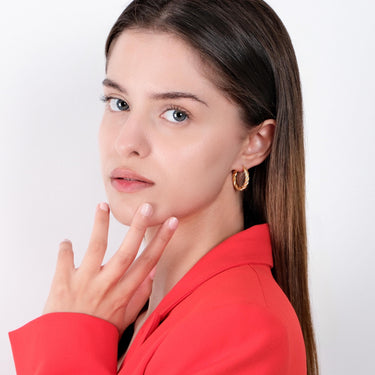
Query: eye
[(175, 115), (116, 104)]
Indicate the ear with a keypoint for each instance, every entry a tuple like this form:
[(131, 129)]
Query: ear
[(257, 145)]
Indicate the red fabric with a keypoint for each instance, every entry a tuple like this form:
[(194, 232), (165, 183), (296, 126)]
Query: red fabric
[(65, 343), (226, 316)]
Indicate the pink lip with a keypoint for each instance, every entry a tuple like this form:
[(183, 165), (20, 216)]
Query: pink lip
[(127, 181)]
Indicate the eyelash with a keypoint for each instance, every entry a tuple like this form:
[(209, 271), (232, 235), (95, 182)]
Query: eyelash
[(106, 99), (171, 107)]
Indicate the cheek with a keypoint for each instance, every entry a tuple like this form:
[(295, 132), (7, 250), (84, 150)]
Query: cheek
[(191, 171), (211, 156), (196, 176)]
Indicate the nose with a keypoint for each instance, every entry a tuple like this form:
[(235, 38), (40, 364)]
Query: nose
[(132, 140)]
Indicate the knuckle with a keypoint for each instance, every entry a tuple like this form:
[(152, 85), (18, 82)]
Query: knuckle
[(163, 237), (98, 244), (124, 259), (148, 259), (138, 225)]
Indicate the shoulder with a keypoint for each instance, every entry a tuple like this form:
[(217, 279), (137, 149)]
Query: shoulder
[(246, 284), (240, 321), (235, 338), (238, 292)]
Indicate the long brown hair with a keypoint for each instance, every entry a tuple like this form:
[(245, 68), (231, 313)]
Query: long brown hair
[(248, 47)]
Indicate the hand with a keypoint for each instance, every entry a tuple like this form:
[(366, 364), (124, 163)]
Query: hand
[(118, 290)]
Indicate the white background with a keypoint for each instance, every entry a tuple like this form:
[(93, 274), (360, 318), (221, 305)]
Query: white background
[(52, 65)]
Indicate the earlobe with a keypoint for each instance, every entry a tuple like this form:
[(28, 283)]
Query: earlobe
[(258, 144)]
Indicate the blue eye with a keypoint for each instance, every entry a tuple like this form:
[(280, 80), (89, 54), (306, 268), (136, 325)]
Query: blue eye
[(175, 115), (116, 104)]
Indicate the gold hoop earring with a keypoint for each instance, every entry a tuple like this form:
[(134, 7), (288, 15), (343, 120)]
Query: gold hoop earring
[(245, 181)]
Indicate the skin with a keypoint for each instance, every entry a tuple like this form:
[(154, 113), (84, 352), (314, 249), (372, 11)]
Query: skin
[(190, 163)]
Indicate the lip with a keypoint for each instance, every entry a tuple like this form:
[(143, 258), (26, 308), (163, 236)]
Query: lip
[(127, 181)]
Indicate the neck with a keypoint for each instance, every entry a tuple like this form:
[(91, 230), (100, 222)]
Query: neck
[(195, 237)]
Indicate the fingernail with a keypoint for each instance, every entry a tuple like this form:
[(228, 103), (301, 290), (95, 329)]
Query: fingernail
[(104, 206), (152, 273), (146, 209), (66, 240), (172, 223)]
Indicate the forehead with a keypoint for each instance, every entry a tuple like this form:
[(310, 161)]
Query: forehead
[(158, 58)]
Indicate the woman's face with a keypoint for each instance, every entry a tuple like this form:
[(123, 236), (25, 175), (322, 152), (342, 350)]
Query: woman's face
[(168, 136)]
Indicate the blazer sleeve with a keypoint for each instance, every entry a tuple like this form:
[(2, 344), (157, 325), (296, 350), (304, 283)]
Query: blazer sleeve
[(255, 342), (65, 343)]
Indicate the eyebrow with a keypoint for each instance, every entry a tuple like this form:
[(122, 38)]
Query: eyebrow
[(157, 96)]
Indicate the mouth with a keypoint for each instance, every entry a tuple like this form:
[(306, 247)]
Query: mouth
[(127, 181)]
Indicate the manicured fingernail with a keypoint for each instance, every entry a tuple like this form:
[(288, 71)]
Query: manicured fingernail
[(104, 206), (66, 240), (146, 209), (172, 223)]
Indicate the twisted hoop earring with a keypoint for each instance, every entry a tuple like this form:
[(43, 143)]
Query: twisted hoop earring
[(245, 182)]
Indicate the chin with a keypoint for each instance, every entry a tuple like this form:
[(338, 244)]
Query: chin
[(123, 216), (124, 213)]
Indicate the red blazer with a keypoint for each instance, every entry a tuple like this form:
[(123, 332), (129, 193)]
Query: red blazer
[(226, 316)]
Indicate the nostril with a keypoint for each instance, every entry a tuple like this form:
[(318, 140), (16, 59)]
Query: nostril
[(129, 150), (131, 140)]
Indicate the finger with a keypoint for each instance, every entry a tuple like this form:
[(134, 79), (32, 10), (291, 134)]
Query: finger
[(145, 263), (65, 261), (138, 300), (61, 279), (98, 240), (128, 250)]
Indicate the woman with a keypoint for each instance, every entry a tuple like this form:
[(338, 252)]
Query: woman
[(202, 153)]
